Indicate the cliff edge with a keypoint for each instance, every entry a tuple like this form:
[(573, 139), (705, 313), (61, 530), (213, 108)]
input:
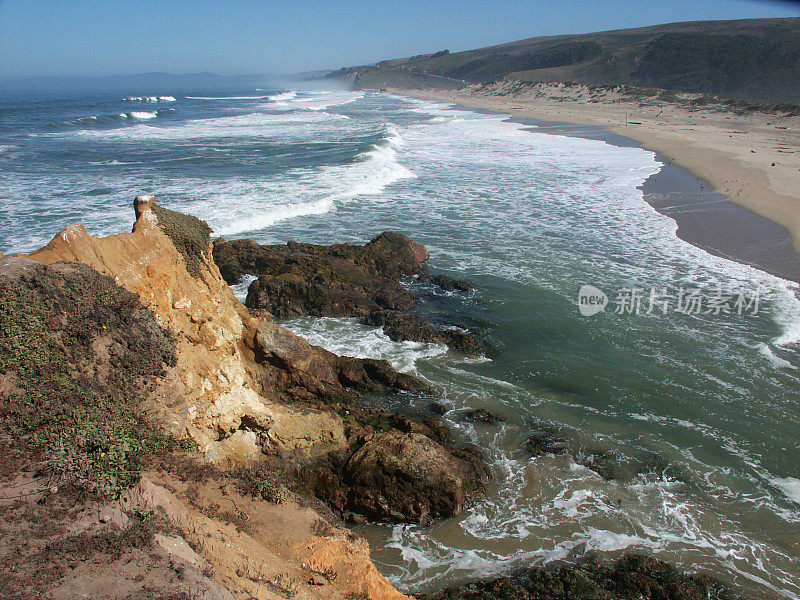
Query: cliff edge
[(231, 383)]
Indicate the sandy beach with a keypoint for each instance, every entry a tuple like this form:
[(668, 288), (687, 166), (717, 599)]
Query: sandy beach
[(753, 159)]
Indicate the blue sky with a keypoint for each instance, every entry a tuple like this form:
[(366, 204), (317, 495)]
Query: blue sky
[(94, 37)]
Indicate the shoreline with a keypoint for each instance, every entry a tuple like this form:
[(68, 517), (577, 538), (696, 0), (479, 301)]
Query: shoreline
[(756, 226), (705, 218)]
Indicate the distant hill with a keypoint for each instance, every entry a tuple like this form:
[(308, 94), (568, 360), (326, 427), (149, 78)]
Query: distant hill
[(753, 59)]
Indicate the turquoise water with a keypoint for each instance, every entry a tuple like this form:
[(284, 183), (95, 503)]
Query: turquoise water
[(698, 411)]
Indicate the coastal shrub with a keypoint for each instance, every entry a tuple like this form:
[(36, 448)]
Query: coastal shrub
[(35, 564), (75, 353), (703, 100), (190, 235), (792, 110), (259, 482), (502, 63), (667, 96), (699, 62)]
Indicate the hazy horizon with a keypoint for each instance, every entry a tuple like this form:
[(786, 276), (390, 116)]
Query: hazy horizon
[(93, 39)]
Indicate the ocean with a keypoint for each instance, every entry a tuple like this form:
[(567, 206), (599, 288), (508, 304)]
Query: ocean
[(678, 395)]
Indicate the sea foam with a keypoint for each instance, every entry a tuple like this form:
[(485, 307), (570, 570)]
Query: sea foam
[(140, 114), (150, 99)]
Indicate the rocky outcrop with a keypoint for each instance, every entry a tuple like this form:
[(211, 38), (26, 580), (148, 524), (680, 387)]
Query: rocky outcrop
[(389, 256), (448, 284), (335, 281), (240, 386), (343, 280), (480, 416), (308, 371), (546, 440), (247, 391), (404, 326), (633, 577), (398, 469), (239, 397), (399, 476)]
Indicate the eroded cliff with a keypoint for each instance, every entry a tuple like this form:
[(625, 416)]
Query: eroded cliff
[(241, 387)]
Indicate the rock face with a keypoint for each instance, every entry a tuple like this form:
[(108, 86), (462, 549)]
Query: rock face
[(401, 476), (633, 577), (398, 469), (342, 280), (240, 398), (403, 326), (243, 388), (546, 440)]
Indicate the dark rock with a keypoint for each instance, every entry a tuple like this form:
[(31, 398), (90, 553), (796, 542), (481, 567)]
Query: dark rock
[(396, 469), (391, 255), (369, 374), (408, 477), (323, 374), (342, 280), (609, 464), (403, 326), (545, 440), (463, 342), (480, 415), (449, 284), (362, 423), (295, 285), (632, 577), (619, 466), (437, 408), (237, 258)]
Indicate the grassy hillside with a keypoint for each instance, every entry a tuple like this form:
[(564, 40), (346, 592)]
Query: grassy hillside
[(754, 59)]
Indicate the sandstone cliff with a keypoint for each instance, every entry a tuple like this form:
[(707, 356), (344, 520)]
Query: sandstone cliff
[(241, 377), (242, 388)]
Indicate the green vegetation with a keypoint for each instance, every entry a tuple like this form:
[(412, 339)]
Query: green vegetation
[(76, 352), (757, 60), (720, 64), (667, 96), (259, 482), (190, 235), (486, 69)]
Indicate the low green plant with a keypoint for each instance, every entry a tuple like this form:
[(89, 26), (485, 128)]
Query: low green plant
[(75, 409), (190, 235), (667, 96), (259, 483)]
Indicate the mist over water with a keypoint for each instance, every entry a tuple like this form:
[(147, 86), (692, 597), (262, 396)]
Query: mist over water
[(697, 414)]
